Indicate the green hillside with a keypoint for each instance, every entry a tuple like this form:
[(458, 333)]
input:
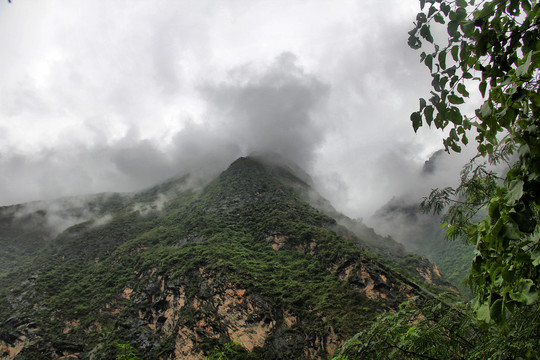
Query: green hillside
[(242, 265), (421, 233)]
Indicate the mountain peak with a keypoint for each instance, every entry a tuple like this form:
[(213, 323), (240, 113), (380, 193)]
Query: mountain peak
[(275, 164)]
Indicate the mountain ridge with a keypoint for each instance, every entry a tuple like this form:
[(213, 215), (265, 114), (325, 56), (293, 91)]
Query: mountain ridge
[(244, 262)]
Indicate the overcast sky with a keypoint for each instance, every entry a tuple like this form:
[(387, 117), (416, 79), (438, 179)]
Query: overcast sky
[(119, 95)]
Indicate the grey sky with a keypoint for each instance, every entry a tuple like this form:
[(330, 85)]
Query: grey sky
[(115, 96)]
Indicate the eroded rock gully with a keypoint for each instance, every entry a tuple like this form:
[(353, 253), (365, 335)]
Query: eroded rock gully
[(217, 309)]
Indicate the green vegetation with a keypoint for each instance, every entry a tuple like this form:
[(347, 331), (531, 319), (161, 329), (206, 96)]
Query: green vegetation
[(72, 288), (454, 261), (126, 352), (494, 43), (230, 350), (443, 328)]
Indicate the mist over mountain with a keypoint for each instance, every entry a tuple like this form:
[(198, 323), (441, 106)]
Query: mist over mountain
[(422, 233), (184, 270), (267, 110), (183, 88), (431, 164)]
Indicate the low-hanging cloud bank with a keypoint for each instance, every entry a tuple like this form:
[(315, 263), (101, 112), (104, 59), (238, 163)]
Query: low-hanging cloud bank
[(260, 110)]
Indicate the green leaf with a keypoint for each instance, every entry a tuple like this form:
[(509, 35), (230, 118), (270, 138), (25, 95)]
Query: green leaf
[(452, 28), (464, 54), (482, 45), (455, 52), (486, 10), (414, 42), (455, 147), (496, 310), (461, 14), (455, 116), (445, 8), (462, 89), (442, 59), (524, 294), (426, 33), (443, 81), (439, 18), (523, 69), (482, 88), (429, 62), (524, 150), (482, 313), (454, 99), (485, 110), (428, 113), (436, 82), (416, 119), (422, 104), (509, 231), (508, 275), (515, 191), (535, 257), (453, 134), (421, 18), (461, 3), (432, 10), (468, 28)]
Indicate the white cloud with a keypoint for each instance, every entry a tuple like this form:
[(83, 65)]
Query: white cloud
[(114, 96)]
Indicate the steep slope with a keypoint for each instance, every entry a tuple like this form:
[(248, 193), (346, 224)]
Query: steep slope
[(421, 233), (243, 265), (25, 229), (385, 248)]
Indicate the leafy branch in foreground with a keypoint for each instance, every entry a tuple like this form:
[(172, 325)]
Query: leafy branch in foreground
[(443, 329), (494, 44), (423, 329)]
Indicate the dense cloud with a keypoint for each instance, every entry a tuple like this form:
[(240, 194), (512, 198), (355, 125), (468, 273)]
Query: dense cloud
[(263, 112), (100, 96), (430, 166), (272, 111), (401, 217)]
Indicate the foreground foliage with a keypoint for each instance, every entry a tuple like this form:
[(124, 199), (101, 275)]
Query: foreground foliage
[(495, 44), (444, 329)]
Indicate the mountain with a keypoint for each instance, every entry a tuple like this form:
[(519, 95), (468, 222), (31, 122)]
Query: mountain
[(243, 265), (422, 234)]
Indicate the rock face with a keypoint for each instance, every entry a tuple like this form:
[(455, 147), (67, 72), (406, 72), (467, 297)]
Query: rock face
[(218, 310), (243, 267)]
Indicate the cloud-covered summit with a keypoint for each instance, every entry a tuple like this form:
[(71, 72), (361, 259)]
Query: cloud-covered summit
[(114, 96), (269, 109)]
